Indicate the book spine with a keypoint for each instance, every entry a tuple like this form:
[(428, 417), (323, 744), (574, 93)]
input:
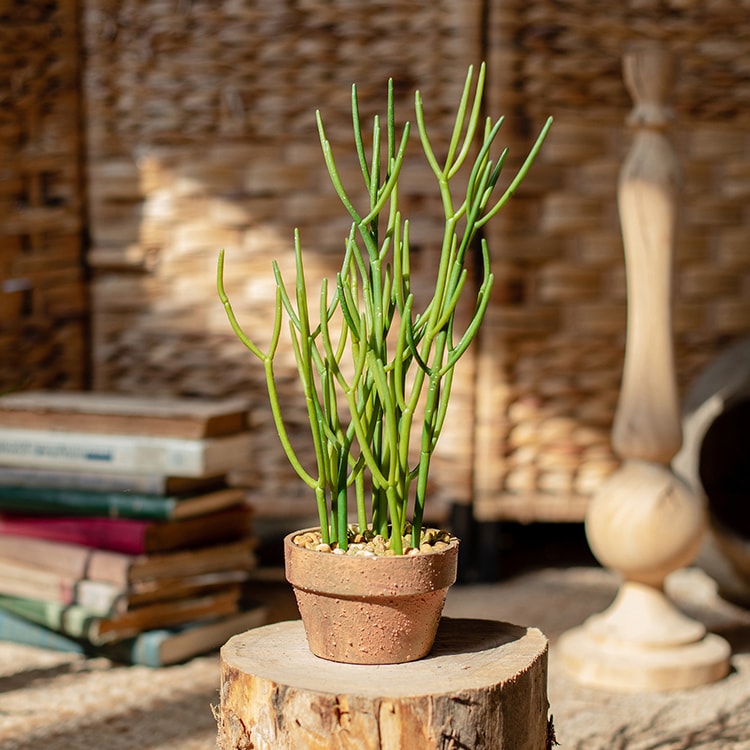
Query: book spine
[(64, 502), (138, 454)]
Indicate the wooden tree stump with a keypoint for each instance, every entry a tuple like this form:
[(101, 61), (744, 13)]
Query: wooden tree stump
[(484, 685)]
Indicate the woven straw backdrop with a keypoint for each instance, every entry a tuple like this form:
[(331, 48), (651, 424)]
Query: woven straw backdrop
[(200, 134), (551, 357)]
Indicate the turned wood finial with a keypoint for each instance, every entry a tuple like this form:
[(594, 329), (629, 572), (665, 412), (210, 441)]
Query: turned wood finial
[(644, 522), (647, 423)]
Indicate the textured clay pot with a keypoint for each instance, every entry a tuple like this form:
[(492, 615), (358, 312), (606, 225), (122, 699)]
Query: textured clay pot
[(364, 610)]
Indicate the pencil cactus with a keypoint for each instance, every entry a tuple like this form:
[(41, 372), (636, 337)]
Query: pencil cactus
[(376, 372)]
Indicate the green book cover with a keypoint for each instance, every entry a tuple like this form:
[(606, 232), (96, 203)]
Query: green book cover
[(133, 505), (40, 500), (71, 620)]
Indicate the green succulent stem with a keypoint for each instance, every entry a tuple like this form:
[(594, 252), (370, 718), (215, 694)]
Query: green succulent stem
[(375, 371)]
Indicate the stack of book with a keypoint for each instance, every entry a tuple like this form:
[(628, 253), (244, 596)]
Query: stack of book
[(119, 532)]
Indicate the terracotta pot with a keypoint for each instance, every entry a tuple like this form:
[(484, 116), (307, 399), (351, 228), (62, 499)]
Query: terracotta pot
[(364, 610)]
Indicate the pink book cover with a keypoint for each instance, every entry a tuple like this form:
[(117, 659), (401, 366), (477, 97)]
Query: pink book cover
[(115, 534)]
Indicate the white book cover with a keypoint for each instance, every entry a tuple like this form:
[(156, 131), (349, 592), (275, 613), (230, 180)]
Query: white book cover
[(125, 453)]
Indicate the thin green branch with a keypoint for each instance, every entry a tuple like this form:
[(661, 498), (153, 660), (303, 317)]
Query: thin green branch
[(522, 172)]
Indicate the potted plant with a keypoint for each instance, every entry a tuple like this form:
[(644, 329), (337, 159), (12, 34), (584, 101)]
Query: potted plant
[(376, 374)]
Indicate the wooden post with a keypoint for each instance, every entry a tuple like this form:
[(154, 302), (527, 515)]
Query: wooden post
[(484, 685), (645, 522)]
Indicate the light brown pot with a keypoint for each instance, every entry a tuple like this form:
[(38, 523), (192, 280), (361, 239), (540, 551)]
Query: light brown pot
[(363, 610)]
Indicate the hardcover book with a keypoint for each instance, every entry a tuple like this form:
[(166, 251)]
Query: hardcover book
[(105, 599), (133, 537), (75, 563), (126, 453), (152, 648), (106, 481), (77, 621), (132, 505), (24, 580), (116, 413)]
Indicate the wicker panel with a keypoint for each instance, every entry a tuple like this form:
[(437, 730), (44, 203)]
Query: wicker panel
[(42, 296), (202, 136), (554, 354)]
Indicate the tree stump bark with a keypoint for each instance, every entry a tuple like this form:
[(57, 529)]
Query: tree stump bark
[(483, 685)]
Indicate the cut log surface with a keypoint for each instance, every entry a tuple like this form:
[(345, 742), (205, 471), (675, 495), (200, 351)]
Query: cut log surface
[(483, 685)]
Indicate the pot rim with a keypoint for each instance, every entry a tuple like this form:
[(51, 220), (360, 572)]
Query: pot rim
[(357, 575), (453, 542)]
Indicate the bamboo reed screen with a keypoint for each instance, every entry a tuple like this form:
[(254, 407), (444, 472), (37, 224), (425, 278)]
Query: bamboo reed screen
[(42, 294)]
